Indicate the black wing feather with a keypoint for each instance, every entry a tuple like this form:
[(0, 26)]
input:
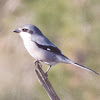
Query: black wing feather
[(49, 48)]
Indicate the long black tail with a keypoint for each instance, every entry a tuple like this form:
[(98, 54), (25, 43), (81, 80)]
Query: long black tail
[(68, 61), (78, 65), (83, 67)]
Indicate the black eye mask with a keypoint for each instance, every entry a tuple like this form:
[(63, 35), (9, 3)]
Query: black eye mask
[(26, 30)]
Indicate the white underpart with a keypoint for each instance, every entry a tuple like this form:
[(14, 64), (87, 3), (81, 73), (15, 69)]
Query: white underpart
[(35, 51), (31, 46)]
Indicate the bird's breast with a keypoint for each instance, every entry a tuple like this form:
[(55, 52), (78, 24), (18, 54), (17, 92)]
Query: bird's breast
[(33, 49), (40, 54)]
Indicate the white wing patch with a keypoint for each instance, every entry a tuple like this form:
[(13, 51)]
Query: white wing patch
[(48, 49)]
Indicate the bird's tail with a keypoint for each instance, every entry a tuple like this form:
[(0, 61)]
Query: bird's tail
[(83, 67), (78, 65)]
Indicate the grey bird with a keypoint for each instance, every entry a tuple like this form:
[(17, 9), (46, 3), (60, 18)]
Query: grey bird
[(40, 47)]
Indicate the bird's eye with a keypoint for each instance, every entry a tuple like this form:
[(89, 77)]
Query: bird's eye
[(24, 30)]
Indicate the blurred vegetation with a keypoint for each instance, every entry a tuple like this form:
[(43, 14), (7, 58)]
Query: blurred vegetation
[(72, 25)]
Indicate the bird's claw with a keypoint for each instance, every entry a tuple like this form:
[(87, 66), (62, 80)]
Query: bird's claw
[(36, 62)]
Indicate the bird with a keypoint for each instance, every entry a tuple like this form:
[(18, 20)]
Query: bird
[(42, 49)]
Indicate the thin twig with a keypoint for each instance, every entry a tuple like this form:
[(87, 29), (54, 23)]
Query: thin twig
[(43, 79)]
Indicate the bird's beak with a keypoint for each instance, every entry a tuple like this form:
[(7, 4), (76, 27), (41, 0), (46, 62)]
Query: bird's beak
[(17, 31)]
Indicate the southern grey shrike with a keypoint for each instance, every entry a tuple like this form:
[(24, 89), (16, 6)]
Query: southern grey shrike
[(40, 48)]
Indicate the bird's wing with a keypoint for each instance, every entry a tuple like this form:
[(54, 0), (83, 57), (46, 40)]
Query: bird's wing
[(49, 48), (44, 43)]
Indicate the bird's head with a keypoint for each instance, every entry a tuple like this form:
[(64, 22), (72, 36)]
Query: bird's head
[(28, 31)]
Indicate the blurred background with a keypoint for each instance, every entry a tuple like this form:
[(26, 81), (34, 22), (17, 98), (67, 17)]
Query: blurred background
[(72, 25)]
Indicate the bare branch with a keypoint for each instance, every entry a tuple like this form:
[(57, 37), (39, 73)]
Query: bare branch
[(43, 79)]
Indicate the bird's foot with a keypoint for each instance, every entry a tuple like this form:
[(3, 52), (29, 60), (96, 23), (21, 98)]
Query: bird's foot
[(46, 73), (37, 63)]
